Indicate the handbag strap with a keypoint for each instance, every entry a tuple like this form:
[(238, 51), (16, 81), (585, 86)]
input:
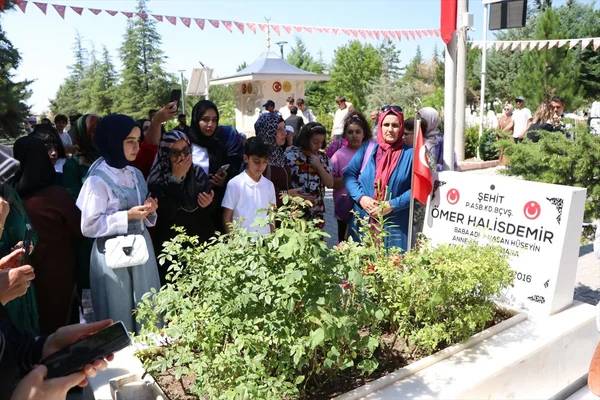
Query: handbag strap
[(137, 191)]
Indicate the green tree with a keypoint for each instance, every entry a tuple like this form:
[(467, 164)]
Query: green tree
[(13, 109), (103, 84), (144, 83), (355, 68), (548, 72), (390, 56), (300, 57), (70, 95), (413, 67)]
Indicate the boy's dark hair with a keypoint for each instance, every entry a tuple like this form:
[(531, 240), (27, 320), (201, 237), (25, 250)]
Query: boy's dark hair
[(61, 118), (256, 147), (307, 132), (294, 110), (290, 100), (73, 119), (356, 117), (181, 116), (299, 101), (409, 125), (558, 99)]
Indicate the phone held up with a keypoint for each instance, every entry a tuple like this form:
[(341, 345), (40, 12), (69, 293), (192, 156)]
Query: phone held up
[(87, 350), (175, 96)]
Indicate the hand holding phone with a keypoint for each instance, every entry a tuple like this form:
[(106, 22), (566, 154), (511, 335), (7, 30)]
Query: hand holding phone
[(76, 351), (175, 96), (27, 244)]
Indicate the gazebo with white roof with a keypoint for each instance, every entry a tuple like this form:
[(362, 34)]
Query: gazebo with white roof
[(268, 78)]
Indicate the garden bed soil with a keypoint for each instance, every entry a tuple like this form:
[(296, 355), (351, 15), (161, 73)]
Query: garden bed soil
[(399, 356)]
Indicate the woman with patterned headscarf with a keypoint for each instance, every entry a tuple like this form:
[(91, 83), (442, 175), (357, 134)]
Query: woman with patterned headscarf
[(183, 192), (380, 186), (114, 201), (270, 128)]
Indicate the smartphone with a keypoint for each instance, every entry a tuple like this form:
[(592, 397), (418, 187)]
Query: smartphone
[(223, 169), (87, 350), (27, 242), (175, 96)]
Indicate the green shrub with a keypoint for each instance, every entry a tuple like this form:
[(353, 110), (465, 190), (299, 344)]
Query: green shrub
[(556, 159), (488, 149), (278, 316), (471, 141)]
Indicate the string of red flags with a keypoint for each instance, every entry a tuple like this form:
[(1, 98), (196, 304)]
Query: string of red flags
[(523, 45), (234, 26)]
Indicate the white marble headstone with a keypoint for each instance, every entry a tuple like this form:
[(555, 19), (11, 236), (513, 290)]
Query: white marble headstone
[(537, 224)]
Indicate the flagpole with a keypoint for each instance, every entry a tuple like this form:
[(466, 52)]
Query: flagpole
[(411, 207)]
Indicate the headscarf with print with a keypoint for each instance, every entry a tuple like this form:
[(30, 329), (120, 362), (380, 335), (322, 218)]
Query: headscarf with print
[(432, 118), (84, 137), (387, 155), (266, 130), (110, 134), (36, 171), (196, 180)]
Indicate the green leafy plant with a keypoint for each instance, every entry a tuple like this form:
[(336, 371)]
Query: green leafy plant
[(488, 148), (471, 141), (282, 316), (556, 159)]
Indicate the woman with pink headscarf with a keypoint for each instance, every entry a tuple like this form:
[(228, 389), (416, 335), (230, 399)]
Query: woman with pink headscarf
[(378, 179)]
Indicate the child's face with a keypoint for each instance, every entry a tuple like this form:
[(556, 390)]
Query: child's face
[(256, 165)]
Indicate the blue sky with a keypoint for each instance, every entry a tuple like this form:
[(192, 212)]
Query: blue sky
[(46, 41)]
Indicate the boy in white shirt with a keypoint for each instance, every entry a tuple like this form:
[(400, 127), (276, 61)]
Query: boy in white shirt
[(249, 195)]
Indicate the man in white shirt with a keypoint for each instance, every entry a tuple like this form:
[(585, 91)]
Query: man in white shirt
[(340, 114), (521, 117), (285, 110), (306, 113)]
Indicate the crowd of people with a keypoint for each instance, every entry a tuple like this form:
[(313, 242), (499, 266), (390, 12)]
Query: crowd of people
[(111, 185)]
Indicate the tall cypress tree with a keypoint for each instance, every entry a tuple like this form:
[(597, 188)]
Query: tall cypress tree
[(144, 83), (70, 97), (13, 109)]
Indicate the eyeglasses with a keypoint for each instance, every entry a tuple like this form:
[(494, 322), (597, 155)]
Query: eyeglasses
[(389, 107), (186, 151), (206, 120)]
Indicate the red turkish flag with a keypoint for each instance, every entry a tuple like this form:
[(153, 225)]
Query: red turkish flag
[(95, 11), (157, 17), (112, 13), (78, 10), (239, 25), (186, 21), (128, 14), (448, 19), (288, 28), (60, 10), (422, 179), (276, 29), (214, 22), (171, 19), (199, 22), (22, 5), (251, 26)]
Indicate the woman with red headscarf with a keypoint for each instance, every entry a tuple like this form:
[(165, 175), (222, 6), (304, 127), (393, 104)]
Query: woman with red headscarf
[(378, 179)]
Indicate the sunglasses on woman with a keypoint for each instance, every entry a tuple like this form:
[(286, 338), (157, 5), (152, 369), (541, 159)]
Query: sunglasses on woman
[(389, 107)]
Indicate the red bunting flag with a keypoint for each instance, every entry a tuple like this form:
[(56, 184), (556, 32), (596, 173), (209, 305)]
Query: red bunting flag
[(159, 18), (112, 13), (346, 32), (128, 14), (288, 28), (448, 19), (41, 6), (227, 25), (171, 19), (335, 30), (326, 30), (277, 29), (199, 22), (385, 34), (78, 10), (22, 5), (186, 21), (422, 181), (308, 29), (251, 26), (60, 10), (240, 26), (377, 33), (214, 22), (298, 28), (263, 27), (362, 33), (95, 11)]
